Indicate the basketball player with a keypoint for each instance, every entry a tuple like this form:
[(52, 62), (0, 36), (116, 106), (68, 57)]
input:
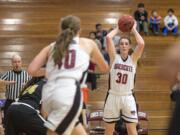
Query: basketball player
[(23, 116), (120, 102), (67, 59)]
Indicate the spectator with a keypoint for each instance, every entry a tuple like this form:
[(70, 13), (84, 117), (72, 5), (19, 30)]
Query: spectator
[(171, 23), (155, 21), (92, 35), (14, 79), (91, 78), (115, 39), (141, 16), (100, 33)]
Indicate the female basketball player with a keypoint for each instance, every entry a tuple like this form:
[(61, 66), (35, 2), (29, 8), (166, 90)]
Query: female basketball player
[(120, 102), (23, 115), (67, 60)]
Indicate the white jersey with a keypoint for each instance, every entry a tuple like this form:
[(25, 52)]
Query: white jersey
[(72, 66), (122, 76)]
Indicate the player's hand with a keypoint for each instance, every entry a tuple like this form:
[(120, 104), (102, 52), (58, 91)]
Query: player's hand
[(116, 29), (134, 26)]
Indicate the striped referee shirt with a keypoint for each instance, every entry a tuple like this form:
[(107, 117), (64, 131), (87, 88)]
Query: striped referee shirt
[(20, 78)]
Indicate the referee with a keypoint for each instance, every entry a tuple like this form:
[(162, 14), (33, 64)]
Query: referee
[(14, 80)]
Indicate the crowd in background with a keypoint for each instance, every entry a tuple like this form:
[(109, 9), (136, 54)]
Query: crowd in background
[(144, 24), (154, 22)]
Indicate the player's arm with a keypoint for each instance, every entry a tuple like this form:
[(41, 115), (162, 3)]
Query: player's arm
[(98, 59), (140, 44), (35, 67), (110, 44)]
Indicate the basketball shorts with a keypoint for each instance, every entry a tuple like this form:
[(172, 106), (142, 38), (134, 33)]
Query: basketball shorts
[(117, 107), (22, 118), (62, 102)]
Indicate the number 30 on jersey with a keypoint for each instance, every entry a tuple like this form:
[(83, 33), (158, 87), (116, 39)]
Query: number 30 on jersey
[(121, 78)]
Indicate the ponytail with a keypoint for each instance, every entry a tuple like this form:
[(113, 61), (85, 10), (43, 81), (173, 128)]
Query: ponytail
[(70, 25), (62, 44)]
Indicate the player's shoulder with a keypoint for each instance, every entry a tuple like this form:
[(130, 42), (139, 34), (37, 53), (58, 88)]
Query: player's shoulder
[(87, 44), (87, 40)]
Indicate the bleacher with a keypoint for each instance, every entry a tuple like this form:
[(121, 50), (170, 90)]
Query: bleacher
[(26, 26)]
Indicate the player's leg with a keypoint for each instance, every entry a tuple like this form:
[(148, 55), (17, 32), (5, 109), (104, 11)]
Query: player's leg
[(79, 130), (5, 108), (129, 114), (34, 124), (131, 128), (49, 132), (109, 128), (111, 113), (11, 121), (63, 108)]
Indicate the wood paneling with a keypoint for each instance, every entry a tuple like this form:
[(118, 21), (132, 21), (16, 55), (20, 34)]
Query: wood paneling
[(26, 26)]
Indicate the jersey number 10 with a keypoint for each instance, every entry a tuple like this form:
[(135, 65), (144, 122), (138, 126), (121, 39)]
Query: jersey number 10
[(122, 78), (70, 59)]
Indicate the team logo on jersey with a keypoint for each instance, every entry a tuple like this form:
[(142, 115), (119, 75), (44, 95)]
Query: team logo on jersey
[(30, 89), (133, 112), (123, 67)]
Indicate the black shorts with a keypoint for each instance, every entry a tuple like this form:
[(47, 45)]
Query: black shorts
[(21, 118)]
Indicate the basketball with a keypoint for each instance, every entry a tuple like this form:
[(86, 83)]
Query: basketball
[(126, 23)]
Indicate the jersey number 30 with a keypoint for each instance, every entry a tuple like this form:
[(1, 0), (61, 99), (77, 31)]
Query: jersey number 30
[(122, 78)]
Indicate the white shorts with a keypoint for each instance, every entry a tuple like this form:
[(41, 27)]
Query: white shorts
[(117, 107), (62, 102)]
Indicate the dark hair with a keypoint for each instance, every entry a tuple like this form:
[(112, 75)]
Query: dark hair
[(170, 10), (98, 24), (33, 81), (70, 25), (140, 5), (125, 37)]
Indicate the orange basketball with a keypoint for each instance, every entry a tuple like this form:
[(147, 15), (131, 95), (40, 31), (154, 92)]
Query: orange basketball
[(126, 23)]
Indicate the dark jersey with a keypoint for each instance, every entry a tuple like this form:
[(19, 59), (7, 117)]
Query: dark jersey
[(138, 15), (32, 95)]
